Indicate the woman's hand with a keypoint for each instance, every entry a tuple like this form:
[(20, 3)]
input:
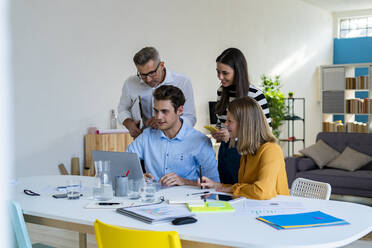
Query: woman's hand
[(207, 183), (221, 134)]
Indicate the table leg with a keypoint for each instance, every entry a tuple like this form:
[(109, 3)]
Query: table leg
[(82, 240)]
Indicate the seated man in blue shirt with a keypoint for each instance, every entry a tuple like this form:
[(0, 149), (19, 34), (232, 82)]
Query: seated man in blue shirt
[(175, 152)]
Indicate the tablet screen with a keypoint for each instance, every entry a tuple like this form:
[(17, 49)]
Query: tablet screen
[(218, 197)]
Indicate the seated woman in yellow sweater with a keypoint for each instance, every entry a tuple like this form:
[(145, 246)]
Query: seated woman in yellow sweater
[(262, 172)]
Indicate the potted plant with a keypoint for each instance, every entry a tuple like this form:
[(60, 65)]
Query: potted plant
[(276, 102), (290, 94)]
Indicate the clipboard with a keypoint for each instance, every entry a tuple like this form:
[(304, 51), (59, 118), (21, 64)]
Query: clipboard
[(136, 111)]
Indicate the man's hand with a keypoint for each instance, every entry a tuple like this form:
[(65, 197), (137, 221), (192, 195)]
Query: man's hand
[(133, 127), (172, 179), (152, 122), (221, 134), (148, 176)]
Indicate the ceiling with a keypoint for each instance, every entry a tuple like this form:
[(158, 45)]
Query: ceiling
[(342, 5)]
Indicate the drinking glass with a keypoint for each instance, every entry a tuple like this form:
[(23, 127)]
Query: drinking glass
[(149, 189), (134, 188), (73, 189)]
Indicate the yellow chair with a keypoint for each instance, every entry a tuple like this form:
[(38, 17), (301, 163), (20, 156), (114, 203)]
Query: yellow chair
[(109, 236)]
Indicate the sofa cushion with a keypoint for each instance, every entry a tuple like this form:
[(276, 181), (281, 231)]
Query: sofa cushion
[(321, 153), (350, 160), (361, 142), (339, 178), (367, 166), (305, 164)]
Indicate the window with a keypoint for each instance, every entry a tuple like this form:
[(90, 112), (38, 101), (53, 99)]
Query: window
[(356, 27)]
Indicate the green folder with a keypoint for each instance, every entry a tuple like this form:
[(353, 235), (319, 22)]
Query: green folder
[(213, 206)]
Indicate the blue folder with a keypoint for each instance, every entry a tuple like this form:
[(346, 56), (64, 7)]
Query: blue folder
[(301, 220)]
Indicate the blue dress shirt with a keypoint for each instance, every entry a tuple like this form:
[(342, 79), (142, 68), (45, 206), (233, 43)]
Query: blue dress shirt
[(183, 155)]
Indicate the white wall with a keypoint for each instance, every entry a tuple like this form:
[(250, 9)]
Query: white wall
[(71, 57), (6, 131)]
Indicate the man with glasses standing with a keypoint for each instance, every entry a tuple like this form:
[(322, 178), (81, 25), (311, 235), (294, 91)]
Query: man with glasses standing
[(137, 92)]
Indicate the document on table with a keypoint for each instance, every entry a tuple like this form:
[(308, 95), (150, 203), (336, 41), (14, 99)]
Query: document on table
[(266, 207), (155, 213)]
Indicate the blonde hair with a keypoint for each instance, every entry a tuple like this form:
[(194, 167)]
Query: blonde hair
[(253, 130)]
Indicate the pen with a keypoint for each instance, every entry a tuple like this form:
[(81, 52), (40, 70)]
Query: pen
[(200, 193), (108, 203), (201, 177)]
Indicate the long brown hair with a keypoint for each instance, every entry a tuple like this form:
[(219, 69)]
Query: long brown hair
[(253, 130), (234, 58)]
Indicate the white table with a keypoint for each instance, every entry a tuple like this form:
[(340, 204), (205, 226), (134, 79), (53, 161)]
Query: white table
[(224, 229)]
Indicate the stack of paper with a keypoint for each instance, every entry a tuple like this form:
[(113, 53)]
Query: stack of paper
[(301, 220)]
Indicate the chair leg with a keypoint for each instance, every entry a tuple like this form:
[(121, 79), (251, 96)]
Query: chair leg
[(82, 240)]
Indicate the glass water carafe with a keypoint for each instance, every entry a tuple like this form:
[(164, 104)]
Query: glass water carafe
[(102, 188)]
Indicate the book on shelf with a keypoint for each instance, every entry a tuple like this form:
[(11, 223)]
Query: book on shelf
[(360, 83), (350, 127)]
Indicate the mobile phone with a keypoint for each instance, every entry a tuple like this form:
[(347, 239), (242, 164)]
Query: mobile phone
[(218, 197), (57, 196), (211, 128)]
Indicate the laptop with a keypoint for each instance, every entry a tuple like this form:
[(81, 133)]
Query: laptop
[(120, 163)]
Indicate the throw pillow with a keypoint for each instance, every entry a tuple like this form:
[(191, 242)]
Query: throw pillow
[(350, 160), (305, 164), (321, 153)]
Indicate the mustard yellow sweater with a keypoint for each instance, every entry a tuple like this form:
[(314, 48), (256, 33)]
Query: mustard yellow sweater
[(263, 175)]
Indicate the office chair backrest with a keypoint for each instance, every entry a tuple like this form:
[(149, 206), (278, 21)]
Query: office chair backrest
[(109, 236), (19, 225), (310, 189)]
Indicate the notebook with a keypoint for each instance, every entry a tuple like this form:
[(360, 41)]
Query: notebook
[(156, 213), (301, 220)]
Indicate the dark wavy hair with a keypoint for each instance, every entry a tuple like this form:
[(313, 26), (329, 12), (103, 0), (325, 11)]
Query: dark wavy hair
[(234, 58)]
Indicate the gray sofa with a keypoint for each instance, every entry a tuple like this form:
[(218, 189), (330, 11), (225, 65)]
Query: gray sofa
[(356, 183)]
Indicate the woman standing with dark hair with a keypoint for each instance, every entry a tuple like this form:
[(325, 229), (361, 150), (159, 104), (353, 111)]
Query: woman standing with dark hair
[(232, 70), (262, 173)]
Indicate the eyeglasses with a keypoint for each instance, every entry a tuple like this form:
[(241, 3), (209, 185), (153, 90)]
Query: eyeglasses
[(149, 74)]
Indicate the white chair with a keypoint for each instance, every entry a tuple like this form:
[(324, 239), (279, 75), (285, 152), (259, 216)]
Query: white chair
[(310, 189)]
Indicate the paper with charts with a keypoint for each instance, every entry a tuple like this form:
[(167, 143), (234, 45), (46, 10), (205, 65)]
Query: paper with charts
[(266, 207), (156, 212)]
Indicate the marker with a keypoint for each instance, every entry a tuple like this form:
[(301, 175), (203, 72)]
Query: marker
[(127, 173)]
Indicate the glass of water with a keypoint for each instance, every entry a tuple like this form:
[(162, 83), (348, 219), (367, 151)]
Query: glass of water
[(134, 188), (149, 190), (73, 189)]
